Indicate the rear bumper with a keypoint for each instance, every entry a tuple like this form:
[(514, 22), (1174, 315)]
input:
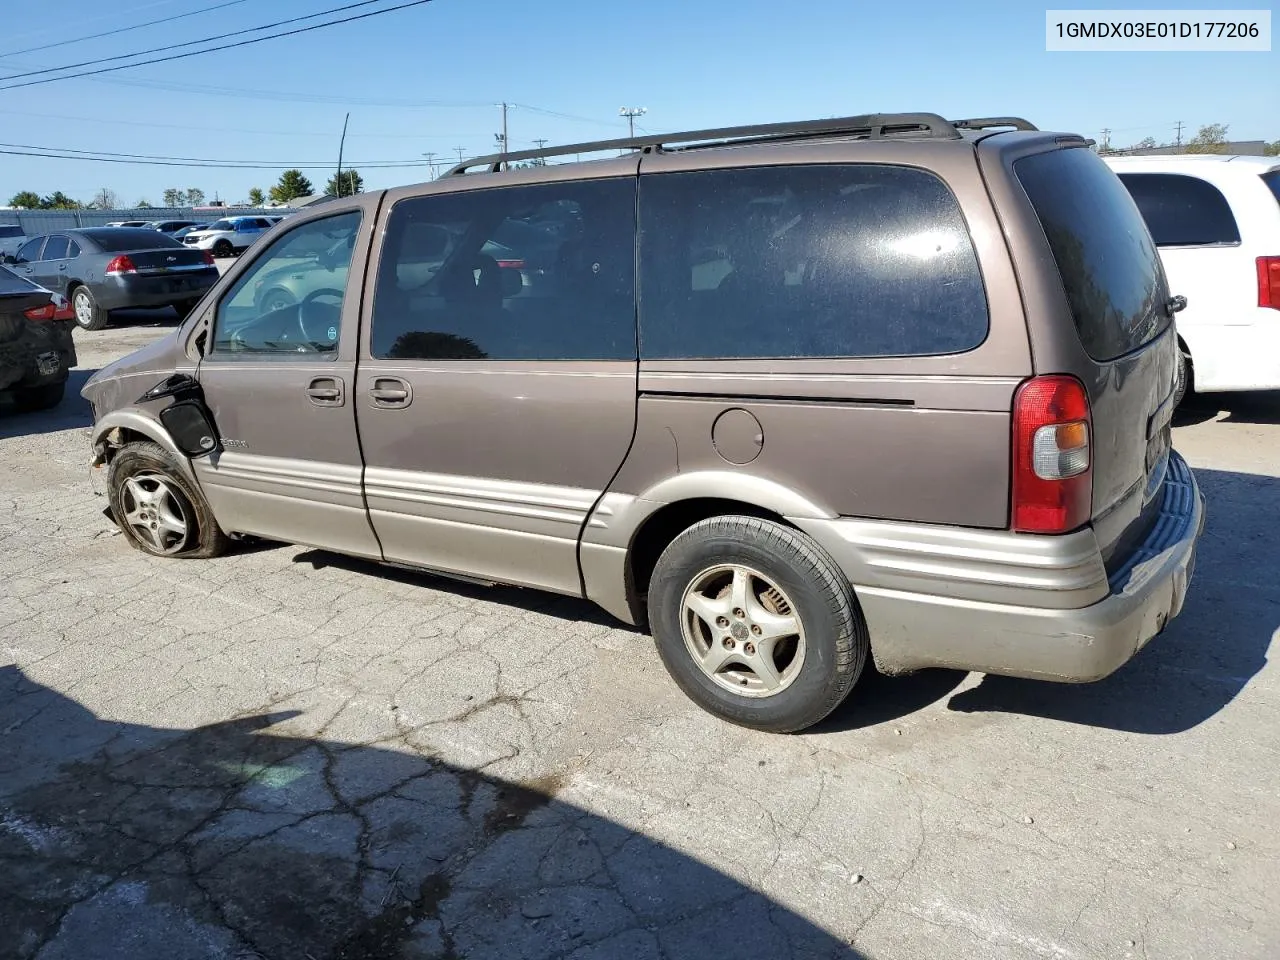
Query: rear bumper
[(916, 629), (115, 293), (29, 360)]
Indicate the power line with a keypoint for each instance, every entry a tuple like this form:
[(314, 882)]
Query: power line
[(110, 33), (144, 159), (204, 128), (225, 46), (114, 16), (189, 43)]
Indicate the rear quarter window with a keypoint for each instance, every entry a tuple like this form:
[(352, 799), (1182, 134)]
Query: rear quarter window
[(816, 261), (1110, 270), (1181, 210), (1272, 180)]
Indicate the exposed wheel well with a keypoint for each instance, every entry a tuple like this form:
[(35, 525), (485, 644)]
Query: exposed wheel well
[(657, 532), (113, 440)]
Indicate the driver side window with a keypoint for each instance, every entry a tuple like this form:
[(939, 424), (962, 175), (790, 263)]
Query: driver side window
[(290, 299)]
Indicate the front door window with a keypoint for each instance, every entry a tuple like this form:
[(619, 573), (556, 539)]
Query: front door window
[(289, 301)]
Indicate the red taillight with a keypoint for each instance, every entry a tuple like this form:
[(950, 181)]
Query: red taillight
[(1052, 459), (511, 264), (1269, 282), (119, 265), (48, 312), (208, 258)]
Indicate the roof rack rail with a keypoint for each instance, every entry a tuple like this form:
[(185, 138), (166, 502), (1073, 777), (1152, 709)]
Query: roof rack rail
[(989, 123), (874, 126)]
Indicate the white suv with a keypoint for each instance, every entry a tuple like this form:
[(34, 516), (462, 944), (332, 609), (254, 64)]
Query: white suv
[(1216, 222), (229, 236)]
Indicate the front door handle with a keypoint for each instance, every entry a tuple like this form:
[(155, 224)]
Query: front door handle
[(391, 392), (326, 392)]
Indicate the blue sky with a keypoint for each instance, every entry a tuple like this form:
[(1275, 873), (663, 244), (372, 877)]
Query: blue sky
[(427, 78)]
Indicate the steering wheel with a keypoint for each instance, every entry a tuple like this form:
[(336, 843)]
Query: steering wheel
[(311, 313)]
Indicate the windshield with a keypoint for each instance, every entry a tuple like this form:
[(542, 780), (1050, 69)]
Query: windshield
[(221, 225), (121, 239)]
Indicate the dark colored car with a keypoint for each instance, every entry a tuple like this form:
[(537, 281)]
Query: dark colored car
[(36, 347), (100, 269), (183, 231), (171, 227)]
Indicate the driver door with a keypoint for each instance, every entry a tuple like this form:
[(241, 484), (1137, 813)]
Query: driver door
[(277, 376)]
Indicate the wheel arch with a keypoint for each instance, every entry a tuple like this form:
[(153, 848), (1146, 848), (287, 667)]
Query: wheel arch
[(117, 429)]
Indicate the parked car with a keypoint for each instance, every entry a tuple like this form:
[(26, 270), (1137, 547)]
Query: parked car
[(228, 237), (36, 347), (171, 227), (181, 233), (920, 413), (128, 223), (11, 238), (100, 269), (1216, 222)]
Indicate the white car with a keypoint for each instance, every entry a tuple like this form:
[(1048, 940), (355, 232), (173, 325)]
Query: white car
[(1216, 222), (229, 236)]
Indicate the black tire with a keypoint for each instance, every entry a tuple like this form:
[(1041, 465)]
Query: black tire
[(1183, 379), (142, 459), (223, 249), (184, 308), (89, 316), (44, 397), (835, 633)]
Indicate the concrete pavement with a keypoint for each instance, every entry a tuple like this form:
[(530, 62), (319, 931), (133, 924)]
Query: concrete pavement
[(284, 753)]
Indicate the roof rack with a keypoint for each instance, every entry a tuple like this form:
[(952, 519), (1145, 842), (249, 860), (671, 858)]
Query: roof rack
[(875, 126), (989, 123)]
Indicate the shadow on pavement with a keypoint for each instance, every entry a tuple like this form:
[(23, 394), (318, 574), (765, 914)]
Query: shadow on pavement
[(1207, 655), (534, 601), (877, 698), (139, 317), (1262, 406), (120, 840), (71, 413)]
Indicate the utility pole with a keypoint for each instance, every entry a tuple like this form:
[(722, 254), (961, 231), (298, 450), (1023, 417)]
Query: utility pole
[(431, 162), (460, 151), (631, 113), (1178, 141), (337, 181), (541, 162), (1106, 140)]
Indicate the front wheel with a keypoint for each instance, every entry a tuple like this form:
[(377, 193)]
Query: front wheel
[(158, 509), (756, 623), (223, 249)]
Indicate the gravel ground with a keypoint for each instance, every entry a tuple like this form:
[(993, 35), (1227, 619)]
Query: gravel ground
[(285, 754)]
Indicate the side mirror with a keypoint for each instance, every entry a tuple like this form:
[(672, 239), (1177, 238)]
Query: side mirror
[(8, 258), (1176, 304)]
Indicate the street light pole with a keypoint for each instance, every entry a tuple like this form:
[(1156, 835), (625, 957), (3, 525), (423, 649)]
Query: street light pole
[(631, 113)]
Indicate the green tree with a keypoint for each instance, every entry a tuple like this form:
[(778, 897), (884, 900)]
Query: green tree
[(143, 204), (256, 197), (1272, 149), (1211, 138), (195, 197), (60, 201), (292, 185), (27, 199), (352, 183), (173, 197)]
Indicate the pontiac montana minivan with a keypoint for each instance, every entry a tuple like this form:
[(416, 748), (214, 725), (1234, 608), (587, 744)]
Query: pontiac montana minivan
[(789, 395)]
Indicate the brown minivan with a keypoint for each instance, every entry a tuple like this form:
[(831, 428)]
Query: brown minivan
[(790, 395)]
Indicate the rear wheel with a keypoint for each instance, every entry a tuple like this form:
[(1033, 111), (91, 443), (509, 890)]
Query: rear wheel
[(756, 623), (1182, 382), (158, 509), (89, 316), (44, 397)]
